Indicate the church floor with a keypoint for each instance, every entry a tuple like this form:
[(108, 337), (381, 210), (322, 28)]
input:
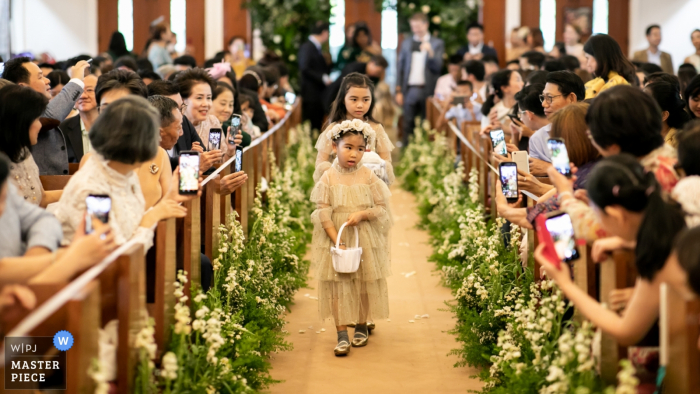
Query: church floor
[(401, 357)]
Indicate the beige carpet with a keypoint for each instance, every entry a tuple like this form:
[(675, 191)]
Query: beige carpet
[(401, 357)]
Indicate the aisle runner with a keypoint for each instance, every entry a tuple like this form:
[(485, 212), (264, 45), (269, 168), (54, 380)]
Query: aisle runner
[(401, 356)]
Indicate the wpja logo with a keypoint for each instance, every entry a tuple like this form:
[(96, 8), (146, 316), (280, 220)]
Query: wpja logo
[(37, 363)]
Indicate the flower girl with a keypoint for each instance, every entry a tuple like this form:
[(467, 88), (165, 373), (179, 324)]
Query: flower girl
[(350, 193), (354, 101)]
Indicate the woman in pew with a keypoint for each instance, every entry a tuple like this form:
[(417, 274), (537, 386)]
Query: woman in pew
[(605, 60), (58, 266), (19, 130), (628, 203), (673, 109), (124, 137)]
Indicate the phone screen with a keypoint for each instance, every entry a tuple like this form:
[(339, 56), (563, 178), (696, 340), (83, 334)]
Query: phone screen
[(98, 206), (498, 139), (290, 98), (459, 100), (189, 172), (239, 159), (562, 231), (509, 180), (214, 139), (560, 157), (235, 127)]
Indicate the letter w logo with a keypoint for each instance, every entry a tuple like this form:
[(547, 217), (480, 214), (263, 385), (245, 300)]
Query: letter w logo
[(63, 341)]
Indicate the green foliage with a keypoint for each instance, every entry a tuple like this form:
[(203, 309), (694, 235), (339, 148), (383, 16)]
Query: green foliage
[(285, 24)]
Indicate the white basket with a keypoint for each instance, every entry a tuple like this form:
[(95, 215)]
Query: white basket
[(346, 261)]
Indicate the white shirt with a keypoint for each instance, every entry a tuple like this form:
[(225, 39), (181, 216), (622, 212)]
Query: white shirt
[(654, 58), (87, 147), (444, 86), (416, 77), (477, 49)]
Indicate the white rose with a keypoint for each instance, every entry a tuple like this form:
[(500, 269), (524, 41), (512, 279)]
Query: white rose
[(437, 20), (277, 39), (411, 6), (425, 9)]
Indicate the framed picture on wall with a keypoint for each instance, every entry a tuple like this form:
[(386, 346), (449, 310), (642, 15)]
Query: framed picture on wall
[(579, 17)]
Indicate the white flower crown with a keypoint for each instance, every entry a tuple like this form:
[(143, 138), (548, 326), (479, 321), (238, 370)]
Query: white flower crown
[(356, 124)]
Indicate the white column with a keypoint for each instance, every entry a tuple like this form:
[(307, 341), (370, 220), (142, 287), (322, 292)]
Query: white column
[(214, 27), (512, 18)]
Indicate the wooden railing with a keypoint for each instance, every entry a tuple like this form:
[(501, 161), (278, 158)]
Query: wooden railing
[(679, 317), (116, 288)]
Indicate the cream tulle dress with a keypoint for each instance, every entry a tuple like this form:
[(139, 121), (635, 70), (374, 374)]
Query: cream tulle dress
[(325, 156), (352, 298)]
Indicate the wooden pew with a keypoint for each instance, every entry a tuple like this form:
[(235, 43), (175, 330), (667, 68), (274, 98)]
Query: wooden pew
[(679, 317), (617, 272), (54, 182), (163, 267), (189, 242)]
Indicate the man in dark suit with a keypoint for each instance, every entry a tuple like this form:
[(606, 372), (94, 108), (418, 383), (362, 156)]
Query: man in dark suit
[(419, 67), (313, 74), (476, 49), (76, 129), (374, 69)]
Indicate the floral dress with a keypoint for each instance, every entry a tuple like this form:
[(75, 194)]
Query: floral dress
[(382, 147), (346, 297)]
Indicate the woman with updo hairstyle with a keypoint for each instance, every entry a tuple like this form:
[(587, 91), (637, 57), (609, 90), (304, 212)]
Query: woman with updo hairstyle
[(505, 84), (672, 106)]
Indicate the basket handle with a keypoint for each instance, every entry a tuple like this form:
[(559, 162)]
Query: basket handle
[(357, 236)]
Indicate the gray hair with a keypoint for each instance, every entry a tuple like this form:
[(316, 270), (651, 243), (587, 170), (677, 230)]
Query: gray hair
[(165, 106), (127, 131)]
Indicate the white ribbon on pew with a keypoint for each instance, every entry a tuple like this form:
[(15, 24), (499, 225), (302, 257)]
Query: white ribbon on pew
[(253, 144), (459, 135), (66, 294)]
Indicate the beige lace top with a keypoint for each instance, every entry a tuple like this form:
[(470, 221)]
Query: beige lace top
[(325, 156), (25, 175)]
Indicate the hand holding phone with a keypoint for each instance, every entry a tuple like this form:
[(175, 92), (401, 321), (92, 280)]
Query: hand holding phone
[(560, 157), (214, 139), (235, 127), (238, 167), (98, 207), (189, 173), (556, 231)]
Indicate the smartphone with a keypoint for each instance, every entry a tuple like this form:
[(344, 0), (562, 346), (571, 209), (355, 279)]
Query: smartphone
[(560, 157), (415, 46), (456, 100), (239, 159), (98, 206), (498, 139), (214, 139), (290, 98), (557, 232), (89, 61), (514, 117), (235, 128), (508, 172), (189, 172), (521, 159)]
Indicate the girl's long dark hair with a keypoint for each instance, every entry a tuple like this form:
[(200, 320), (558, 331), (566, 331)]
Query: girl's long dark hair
[(353, 80), (692, 91), (621, 180), (19, 108), (117, 44), (609, 57), (669, 99), (499, 80)]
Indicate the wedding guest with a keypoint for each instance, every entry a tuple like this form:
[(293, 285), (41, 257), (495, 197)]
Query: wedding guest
[(126, 63), (76, 129), (535, 40), (692, 97), (686, 72), (447, 83), (474, 72), (239, 61), (313, 75), (465, 111), (184, 62), (124, 137), (158, 53), (148, 76), (117, 46), (490, 66), (506, 84), (223, 108), (419, 66), (251, 84), (653, 54), (604, 59), (694, 58), (363, 48), (572, 41), (19, 131), (673, 113), (50, 151), (531, 115), (532, 60), (475, 48), (346, 50), (57, 80), (517, 43)]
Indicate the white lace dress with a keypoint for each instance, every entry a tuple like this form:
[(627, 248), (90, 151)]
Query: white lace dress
[(325, 156), (96, 177), (339, 193)]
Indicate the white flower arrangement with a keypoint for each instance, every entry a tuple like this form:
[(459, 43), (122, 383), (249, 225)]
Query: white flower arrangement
[(356, 124)]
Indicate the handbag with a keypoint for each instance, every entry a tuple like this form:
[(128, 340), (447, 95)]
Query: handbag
[(375, 163), (346, 261)]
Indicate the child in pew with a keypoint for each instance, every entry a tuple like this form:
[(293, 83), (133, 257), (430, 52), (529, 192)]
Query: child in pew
[(460, 107), (354, 101), (351, 194), (627, 202)]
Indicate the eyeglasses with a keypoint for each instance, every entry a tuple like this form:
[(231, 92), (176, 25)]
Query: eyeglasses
[(522, 112), (182, 108), (549, 99)]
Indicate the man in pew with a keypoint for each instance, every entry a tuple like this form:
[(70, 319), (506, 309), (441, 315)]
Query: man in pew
[(76, 129), (58, 266), (50, 152)]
